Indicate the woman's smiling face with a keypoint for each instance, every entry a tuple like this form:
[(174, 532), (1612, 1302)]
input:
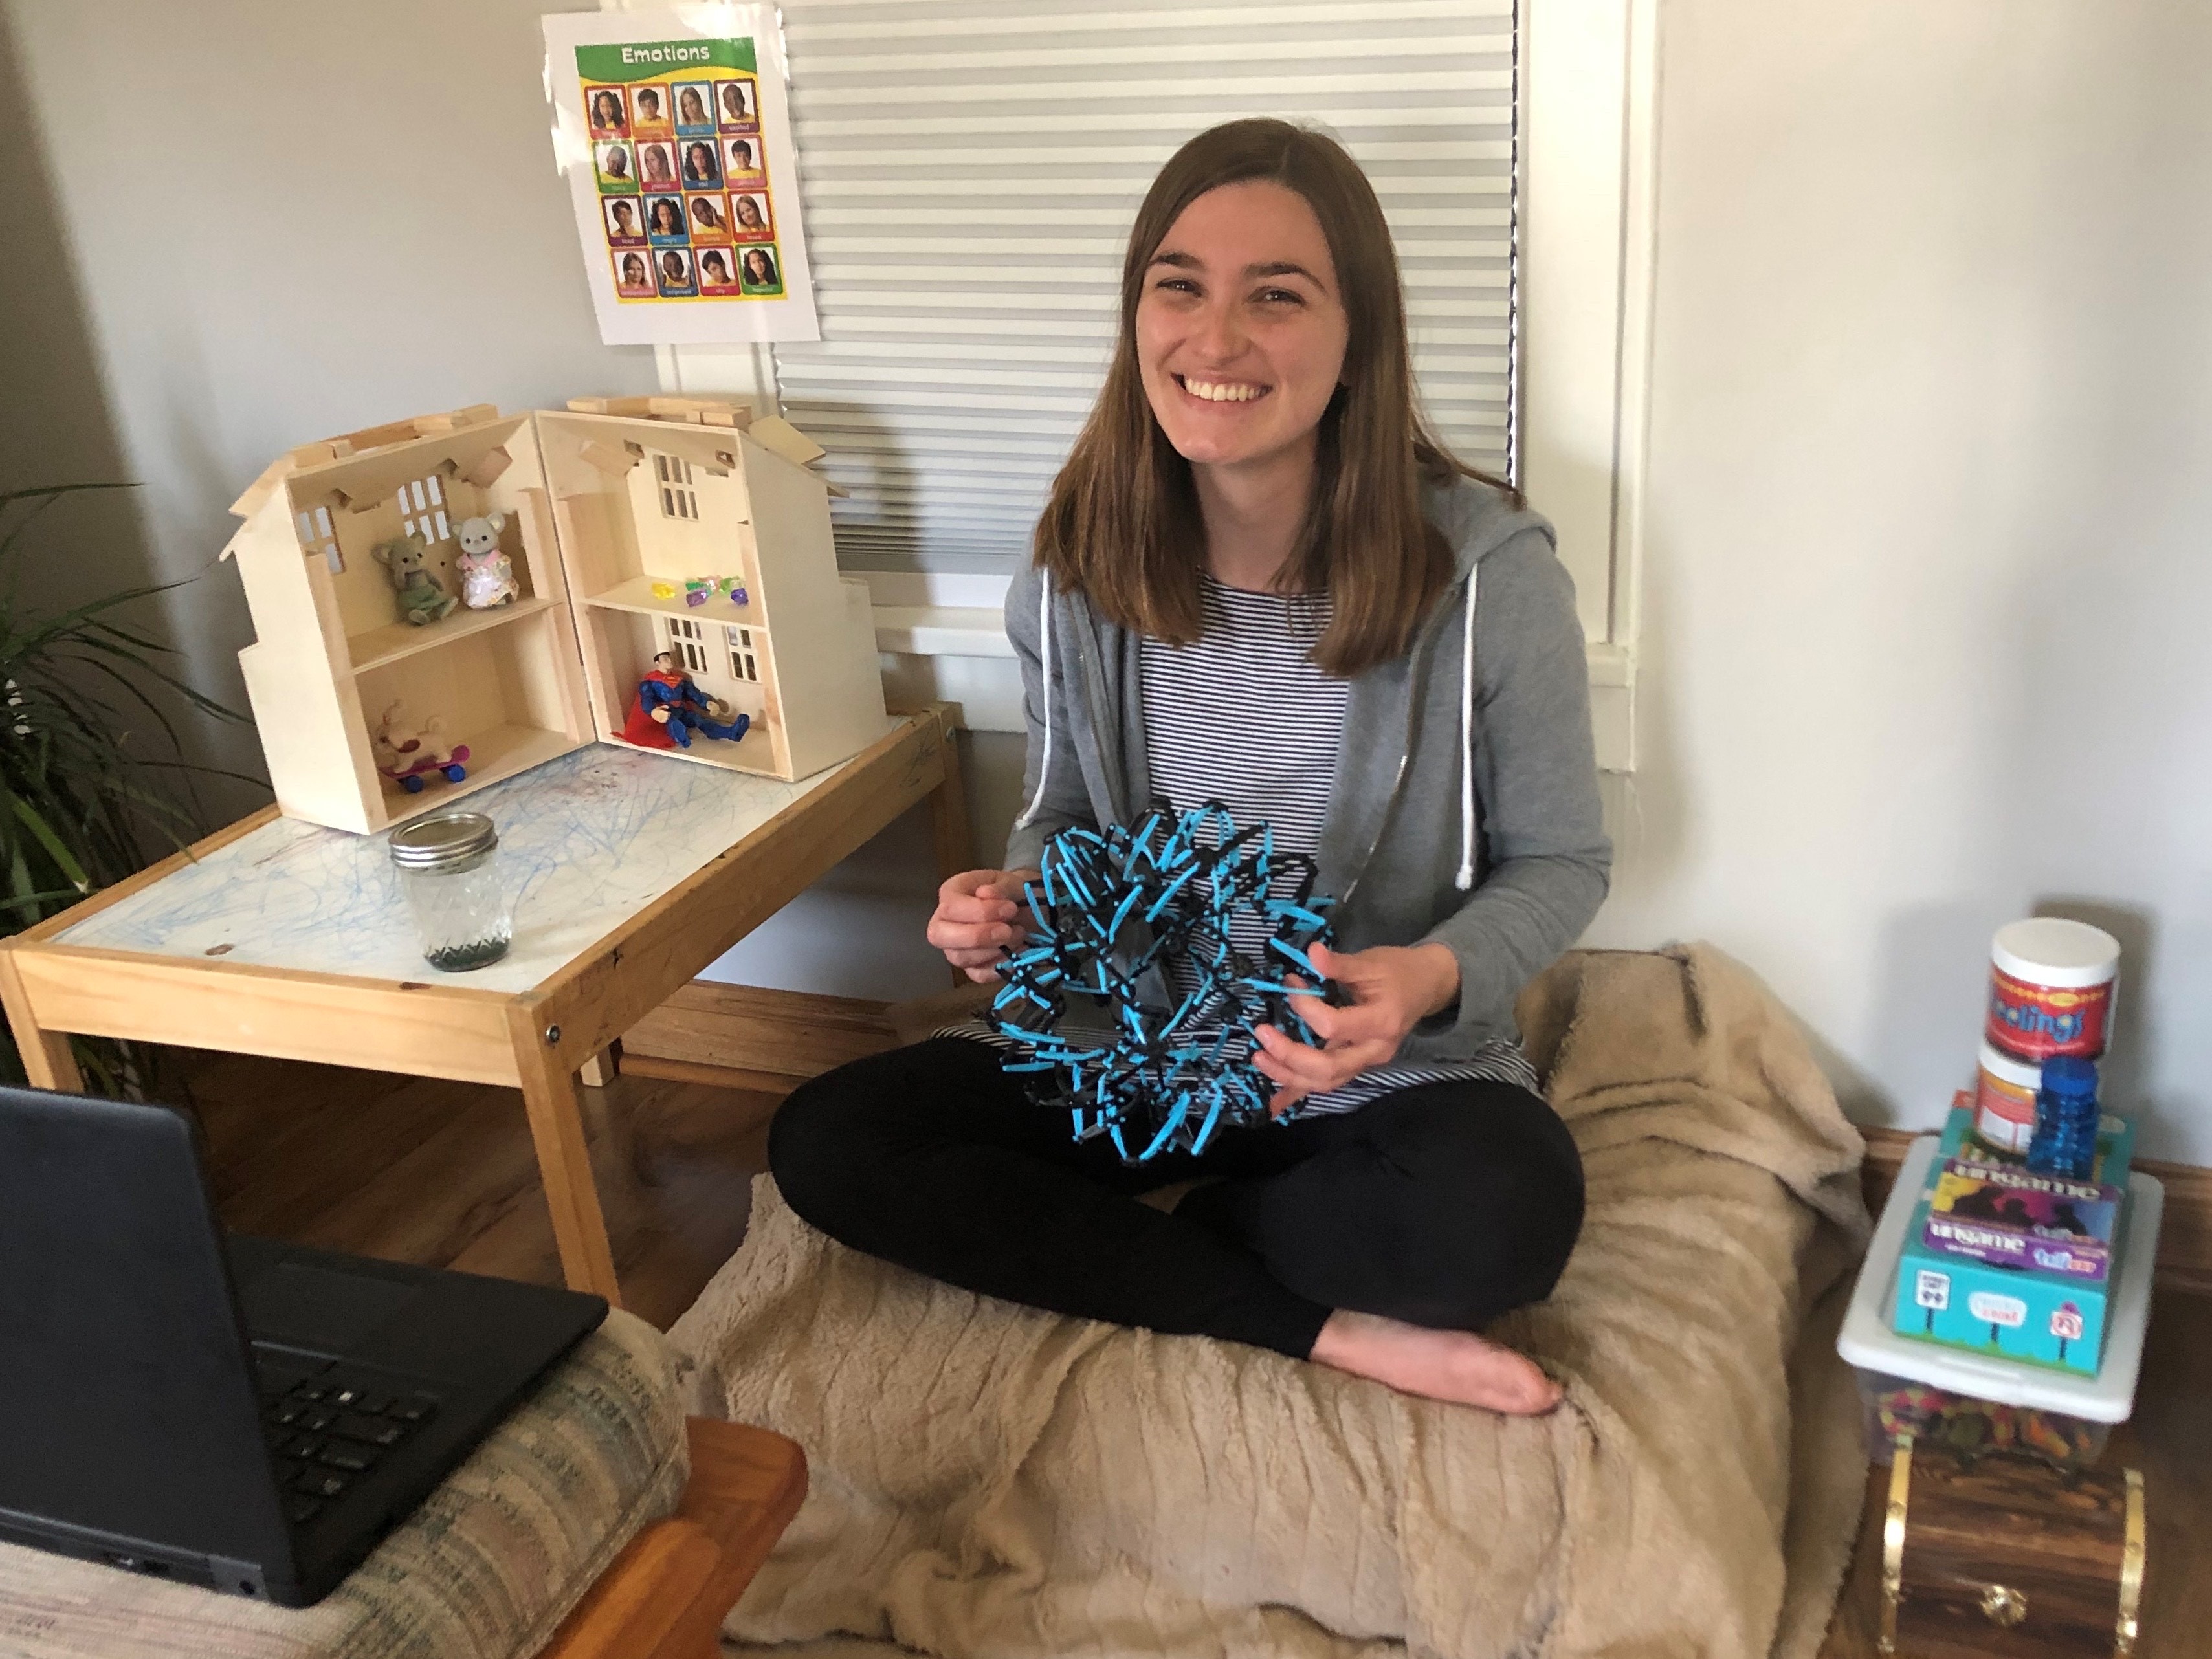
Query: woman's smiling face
[(1241, 330)]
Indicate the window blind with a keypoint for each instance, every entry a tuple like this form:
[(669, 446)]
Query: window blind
[(970, 171)]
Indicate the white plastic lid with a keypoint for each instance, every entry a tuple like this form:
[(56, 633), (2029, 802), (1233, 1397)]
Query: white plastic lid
[(1868, 1342), (2051, 951), (2020, 1073)]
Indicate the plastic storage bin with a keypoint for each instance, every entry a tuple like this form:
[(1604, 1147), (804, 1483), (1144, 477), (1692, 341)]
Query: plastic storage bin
[(1953, 1397)]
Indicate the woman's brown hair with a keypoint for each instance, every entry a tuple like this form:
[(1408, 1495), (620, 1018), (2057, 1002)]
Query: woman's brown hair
[(1123, 525)]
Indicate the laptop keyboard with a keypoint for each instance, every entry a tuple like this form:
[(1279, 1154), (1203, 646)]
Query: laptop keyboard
[(327, 1429)]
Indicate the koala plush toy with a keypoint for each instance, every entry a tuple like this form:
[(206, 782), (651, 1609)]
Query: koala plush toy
[(487, 573), (423, 601)]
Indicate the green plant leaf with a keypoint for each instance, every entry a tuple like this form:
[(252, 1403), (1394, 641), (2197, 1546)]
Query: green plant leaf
[(46, 838), (91, 756)]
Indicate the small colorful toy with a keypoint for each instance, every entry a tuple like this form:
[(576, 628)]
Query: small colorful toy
[(423, 601), (1121, 914), (663, 590), (697, 590), (669, 708), (487, 573), (736, 592), (1972, 1427), (408, 754)]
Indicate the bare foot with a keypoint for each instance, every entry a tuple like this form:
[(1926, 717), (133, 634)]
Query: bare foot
[(1454, 1365)]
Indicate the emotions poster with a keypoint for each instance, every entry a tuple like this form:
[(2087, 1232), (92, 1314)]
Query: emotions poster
[(672, 130)]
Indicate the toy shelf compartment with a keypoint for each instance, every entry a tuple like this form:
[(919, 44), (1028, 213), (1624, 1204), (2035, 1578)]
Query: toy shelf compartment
[(501, 694), (334, 650), (618, 649), (642, 506), (345, 510)]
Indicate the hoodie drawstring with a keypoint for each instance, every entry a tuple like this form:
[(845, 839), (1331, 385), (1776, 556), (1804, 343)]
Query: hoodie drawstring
[(1466, 878), (1044, 652)]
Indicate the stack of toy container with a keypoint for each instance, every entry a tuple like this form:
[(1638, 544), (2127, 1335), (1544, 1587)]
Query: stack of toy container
[(2003, 1301)]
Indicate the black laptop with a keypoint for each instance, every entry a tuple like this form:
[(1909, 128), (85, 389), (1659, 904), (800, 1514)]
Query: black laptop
[(250, 1416)]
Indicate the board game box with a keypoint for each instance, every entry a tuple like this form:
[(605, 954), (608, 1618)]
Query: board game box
[(2009, 1217), (2025, 1312)]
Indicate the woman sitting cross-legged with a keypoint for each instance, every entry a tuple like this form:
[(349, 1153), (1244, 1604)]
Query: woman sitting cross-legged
[(1261, 580)]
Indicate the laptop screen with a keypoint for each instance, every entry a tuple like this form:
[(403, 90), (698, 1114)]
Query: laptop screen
[(127, 1407)]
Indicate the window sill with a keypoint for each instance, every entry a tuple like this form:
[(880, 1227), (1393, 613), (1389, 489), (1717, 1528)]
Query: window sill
[(939, 644)]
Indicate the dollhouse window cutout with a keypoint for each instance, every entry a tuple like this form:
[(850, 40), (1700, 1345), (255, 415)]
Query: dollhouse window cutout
[(742, 665), (316, 537), (687, 642), (678, 499), (422, 509)]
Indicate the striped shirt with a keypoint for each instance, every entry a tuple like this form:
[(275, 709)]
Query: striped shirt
[(1241, 715)]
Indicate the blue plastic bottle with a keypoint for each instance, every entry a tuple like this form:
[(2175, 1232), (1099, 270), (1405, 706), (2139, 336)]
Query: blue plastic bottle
[(2066, 1116)]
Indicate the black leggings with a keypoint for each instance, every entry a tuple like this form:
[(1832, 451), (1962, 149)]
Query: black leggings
[(1444, 1204)]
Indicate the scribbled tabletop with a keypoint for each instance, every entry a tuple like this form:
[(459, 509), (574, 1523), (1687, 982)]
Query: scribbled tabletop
[(587, 839)]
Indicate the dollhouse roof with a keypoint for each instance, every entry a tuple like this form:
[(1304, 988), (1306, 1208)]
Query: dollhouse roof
[(705, 416)]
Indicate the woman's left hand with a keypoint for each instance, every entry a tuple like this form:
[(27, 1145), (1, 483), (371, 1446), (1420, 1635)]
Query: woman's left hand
[(1392, 989)]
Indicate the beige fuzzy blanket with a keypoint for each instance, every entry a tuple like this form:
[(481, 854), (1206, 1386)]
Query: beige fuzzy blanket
[(989, 1480)]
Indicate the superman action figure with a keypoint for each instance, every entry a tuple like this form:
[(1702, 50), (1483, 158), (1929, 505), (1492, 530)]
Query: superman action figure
[(669, 708)]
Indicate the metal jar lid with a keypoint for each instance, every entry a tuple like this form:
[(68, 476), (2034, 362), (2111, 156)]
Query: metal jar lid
[(444, 842)]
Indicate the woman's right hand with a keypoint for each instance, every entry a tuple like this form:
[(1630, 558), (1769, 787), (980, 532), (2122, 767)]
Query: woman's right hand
[(976, 919)]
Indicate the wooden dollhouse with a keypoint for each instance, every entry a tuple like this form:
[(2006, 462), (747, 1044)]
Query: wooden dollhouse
[(634, 525)]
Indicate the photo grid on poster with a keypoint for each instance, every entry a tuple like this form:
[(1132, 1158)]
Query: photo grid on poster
[(687, 208)]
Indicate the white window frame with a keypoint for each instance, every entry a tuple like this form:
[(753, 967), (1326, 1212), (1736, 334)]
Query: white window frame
[(1588, 152), (745, 665), (319, 534), (1589, 72), (672, 477), (422, 510), (687, 643)]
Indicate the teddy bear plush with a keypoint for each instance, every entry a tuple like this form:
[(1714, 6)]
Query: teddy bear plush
[(422, 600), (487, 573)]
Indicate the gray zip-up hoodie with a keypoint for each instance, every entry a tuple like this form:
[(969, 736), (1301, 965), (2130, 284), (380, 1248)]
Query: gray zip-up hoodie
[(1465, 805)]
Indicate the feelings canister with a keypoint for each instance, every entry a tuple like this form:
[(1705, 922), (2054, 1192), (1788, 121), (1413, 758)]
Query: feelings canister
[(2004, 1100), (2050, 989)]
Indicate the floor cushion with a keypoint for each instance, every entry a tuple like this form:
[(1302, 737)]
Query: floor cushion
[(988, 1480)]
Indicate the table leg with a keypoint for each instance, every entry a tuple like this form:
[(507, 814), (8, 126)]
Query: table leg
[(602, 1068), (557, 1128), (948, 812), (948, 817), (47, 1059)]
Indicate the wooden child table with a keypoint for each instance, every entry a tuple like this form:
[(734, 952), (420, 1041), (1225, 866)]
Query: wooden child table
[(276, 937)]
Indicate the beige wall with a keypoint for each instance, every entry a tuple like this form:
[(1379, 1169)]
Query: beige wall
[(1930, 523), (242, 226)]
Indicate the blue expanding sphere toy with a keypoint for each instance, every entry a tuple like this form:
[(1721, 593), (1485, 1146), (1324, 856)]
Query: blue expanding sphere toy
[(1133, 926)]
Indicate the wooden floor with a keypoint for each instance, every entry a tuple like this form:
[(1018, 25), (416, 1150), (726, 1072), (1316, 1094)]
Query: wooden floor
[(442, 1173), (415, 1170)]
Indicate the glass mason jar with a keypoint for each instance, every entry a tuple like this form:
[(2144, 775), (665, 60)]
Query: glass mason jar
[(448, 866)]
